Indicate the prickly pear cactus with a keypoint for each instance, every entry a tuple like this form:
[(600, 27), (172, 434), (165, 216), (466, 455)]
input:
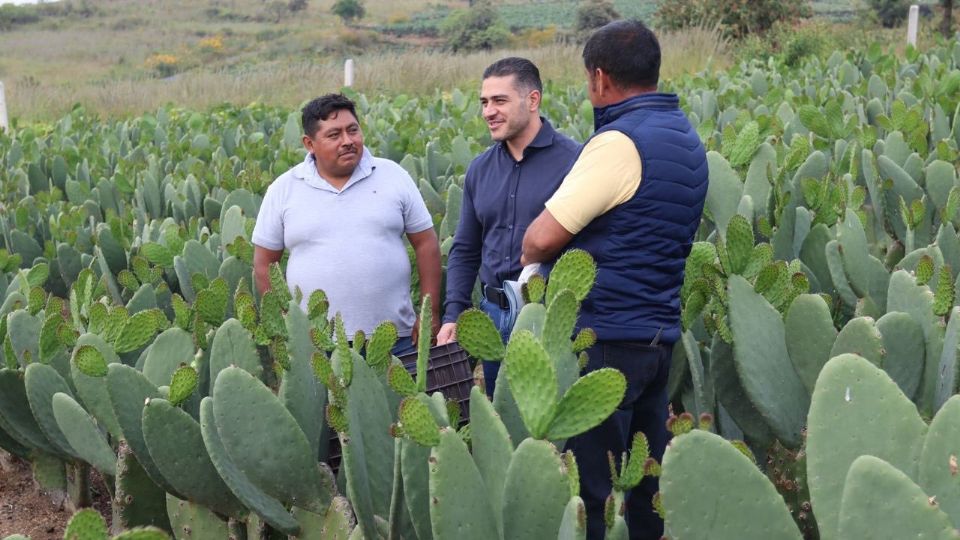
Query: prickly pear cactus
[(700, 470)]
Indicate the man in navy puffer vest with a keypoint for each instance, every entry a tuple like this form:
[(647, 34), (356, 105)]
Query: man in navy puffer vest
[(633, 200)]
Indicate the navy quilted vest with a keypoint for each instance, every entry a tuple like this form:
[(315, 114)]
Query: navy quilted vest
[(641, 245)]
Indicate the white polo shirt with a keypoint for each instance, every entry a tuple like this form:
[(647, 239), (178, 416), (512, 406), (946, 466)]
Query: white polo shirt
[(348, 242)]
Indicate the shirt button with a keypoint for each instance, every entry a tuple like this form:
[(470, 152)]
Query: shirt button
[(510, 227), (512, 195), (506, 258)]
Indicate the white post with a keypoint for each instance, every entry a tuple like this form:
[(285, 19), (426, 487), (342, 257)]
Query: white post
[(912, 25), (348, 72), (4, 123)]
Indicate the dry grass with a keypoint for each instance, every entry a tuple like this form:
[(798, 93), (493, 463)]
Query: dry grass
[(101, 62)]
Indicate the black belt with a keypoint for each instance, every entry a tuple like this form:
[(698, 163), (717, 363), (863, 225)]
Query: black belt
[(497, 296)]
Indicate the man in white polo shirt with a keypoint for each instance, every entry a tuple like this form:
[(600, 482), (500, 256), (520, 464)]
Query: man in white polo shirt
[(342, 214)]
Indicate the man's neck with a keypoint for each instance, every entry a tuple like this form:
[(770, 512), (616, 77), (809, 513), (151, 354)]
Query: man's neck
[(336, 181), (518, 144), (617, 95)]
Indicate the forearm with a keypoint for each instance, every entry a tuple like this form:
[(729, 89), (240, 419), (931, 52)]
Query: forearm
[(262, 259), (262, 275), (428, 268), (533, 253), (544, 239)]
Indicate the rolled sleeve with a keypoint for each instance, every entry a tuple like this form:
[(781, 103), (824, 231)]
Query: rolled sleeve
[(606, 174)]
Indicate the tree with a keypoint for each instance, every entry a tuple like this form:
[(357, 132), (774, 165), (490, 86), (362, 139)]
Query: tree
[(593, 14), (890, 12), (736, 18), (479, 27), (297, 5), (348, 10)]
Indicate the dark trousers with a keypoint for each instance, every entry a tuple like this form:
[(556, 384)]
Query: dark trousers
[(500, 319), (644, 409)]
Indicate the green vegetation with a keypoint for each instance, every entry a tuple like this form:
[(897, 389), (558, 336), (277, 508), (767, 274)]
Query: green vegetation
[(477, 28), (735, 18), (348, 10), (820, 309)]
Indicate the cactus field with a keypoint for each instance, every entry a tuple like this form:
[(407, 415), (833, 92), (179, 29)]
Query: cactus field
[(813, 390)]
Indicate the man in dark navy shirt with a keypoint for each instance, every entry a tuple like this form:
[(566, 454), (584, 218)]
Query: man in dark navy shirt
[(504, 190)]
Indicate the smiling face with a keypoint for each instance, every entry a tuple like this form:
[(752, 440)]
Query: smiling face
[(507, 109), (337, 145)]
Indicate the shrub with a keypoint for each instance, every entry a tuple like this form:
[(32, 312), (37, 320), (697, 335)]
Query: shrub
[(593, 14), (795, 42), (533, 38), (890, 13), (296, 5), (348, 10), (736, 18), (212, 44), (12, 15), (476, 28), (164, 65)]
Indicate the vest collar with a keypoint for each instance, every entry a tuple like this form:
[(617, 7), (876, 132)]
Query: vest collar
[(651, 100)]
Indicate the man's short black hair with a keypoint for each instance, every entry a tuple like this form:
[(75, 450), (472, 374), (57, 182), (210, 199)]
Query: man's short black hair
[(526, 73), (321, 109), (627, 51)]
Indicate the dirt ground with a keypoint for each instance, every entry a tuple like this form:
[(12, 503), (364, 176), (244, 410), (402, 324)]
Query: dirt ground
[(25, 510)]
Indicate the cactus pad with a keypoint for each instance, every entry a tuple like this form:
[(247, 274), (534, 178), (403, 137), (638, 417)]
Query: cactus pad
[(809, 333), (285, 468), (176, 445), (183, 385), (559, 324), (456, 510), (699, 509), (89, 361), (861, 337), (574, 270), (87, 524), (536, 492), (763, 365), (83, 435), (268, 508), (850, 397), (587, 403), (401, 381), (478, 335), (904, 350), (880, 501), (417, 422), (381, 343), (533, 381)]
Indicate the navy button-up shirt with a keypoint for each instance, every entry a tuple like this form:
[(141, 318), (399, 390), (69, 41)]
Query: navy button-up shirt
[(501, 197)]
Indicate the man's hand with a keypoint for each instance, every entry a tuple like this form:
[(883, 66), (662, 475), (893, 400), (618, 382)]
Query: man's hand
[(447, 333)]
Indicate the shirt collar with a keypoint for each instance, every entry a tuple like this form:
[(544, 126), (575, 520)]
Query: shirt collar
[(543, 139), (307, 171)]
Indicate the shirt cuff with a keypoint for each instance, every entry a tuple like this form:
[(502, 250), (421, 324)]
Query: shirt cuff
[(564, 218)]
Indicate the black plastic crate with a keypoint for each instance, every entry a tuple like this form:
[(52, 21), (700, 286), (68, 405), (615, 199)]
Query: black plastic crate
[(449, 371)]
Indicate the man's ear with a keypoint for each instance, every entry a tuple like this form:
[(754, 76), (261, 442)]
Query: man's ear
[(308, 143), (535, 98), (602, 81)]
